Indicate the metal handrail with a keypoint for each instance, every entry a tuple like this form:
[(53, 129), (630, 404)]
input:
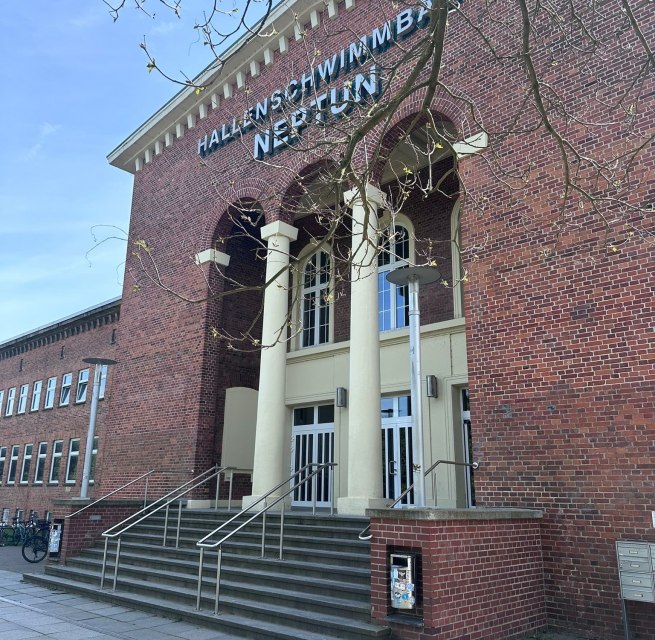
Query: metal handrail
[(157, 505), (111, 493), (320, 467), (474, 465)]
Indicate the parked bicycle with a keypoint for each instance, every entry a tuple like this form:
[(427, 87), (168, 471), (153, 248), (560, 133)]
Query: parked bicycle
[(35, 547)]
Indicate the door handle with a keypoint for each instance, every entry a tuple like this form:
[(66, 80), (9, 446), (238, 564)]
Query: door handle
[(391, 467)]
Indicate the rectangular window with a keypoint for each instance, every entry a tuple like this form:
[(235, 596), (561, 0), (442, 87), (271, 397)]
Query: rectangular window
[(3, 457), (50, 393), (27, 461), (40, 462), (36, 395), (103, 381), (11, 396), (2, 397), (57, 447), (82, 385), (73, 457), (22, 398), (94, 456), (13, 463), (65, 393)]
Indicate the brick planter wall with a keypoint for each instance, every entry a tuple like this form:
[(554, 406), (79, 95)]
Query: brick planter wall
[(480, 572)]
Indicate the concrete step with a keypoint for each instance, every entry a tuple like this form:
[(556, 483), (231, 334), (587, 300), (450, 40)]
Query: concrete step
[(243, 620)]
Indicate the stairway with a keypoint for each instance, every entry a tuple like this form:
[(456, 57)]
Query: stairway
[(320, 591)]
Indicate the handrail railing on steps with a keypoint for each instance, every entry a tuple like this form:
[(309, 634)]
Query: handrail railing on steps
[(111, 493), (304, 479), (365, 535), (164, 502)]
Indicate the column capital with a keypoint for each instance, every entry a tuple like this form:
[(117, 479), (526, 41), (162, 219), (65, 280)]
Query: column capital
[(373, 194), (212, 255), (279, 228)]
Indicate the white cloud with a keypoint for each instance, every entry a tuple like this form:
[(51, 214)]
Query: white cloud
[(46, 130)]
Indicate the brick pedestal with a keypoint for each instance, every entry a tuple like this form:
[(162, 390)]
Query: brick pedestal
[(479, 572)]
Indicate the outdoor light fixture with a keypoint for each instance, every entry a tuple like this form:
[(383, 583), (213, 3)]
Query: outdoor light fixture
[(432, 385), (99, 363), (342, 397)]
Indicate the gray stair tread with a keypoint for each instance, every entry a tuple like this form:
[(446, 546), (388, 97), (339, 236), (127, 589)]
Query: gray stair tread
[(203, 617)]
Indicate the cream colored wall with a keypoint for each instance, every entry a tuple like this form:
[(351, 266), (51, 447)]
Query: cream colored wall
[(239, 427), (314, 374)]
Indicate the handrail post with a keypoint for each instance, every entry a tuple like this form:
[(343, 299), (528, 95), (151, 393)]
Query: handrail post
[(314, 492), (331, 472), (229, 495), (219, 560), (263, 534), (200, 565), (281, 530), (118, 556), (104, 564), (218, 484), (179, 524), (163, 544), (145, 493)]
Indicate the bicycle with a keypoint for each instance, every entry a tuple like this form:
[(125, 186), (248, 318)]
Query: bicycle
[(35, 548)]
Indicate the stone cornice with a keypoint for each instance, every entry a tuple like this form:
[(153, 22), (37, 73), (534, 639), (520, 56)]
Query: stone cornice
[(243, 61)]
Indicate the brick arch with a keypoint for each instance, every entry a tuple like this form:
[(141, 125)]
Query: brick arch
[(386, 135), (294, 190)]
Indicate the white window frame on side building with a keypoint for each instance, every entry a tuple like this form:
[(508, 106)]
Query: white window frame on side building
[(73, 460), (22, 399), (82, 386), (39, 469), (36, 395), (55, 462), (11, 397), (3, 457), (27, 463), (13, 464), (65, 392), (51, 387)]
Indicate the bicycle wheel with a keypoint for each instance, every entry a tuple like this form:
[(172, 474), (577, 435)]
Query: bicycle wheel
[(35, 548)]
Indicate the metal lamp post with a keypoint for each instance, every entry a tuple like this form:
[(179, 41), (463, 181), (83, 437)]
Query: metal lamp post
[(99, 363), (413, 277)]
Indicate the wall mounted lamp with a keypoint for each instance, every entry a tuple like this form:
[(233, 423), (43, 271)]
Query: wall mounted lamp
[(342, 397), (432, 385)]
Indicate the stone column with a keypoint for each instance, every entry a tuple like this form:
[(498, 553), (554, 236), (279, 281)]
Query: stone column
[(365, 486), (271, 443)]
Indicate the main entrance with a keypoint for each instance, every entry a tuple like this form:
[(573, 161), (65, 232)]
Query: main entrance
[(397, 461), (312, 440)]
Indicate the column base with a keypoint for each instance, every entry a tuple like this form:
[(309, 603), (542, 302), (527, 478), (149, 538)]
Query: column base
[(248, 503), (350, 506)]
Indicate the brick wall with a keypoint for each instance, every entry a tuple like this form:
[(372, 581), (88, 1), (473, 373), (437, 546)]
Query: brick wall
[(478, 579)]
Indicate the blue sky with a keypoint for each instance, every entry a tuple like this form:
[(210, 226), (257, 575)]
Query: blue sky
[(74, 85)]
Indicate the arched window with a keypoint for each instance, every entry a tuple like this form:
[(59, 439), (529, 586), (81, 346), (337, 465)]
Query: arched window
[(393, 300), (315, 300)]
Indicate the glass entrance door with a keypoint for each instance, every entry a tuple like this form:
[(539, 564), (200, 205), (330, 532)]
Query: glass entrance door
[(312, 440), (397, 460), (467, 440)]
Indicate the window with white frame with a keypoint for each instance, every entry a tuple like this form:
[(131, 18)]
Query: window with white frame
[(27, 462), (3, 457), (103, 382), (40, 462), (50, 393), (13, 463), (11, 397), (2, 397), (65, 393), (36, 395), (94, 457), (73, 458), (315, 300), (82, 385), (393, 300), (55, 464), (22, 398)]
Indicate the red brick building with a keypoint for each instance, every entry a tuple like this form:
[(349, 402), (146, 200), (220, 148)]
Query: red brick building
[(538, 331)]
